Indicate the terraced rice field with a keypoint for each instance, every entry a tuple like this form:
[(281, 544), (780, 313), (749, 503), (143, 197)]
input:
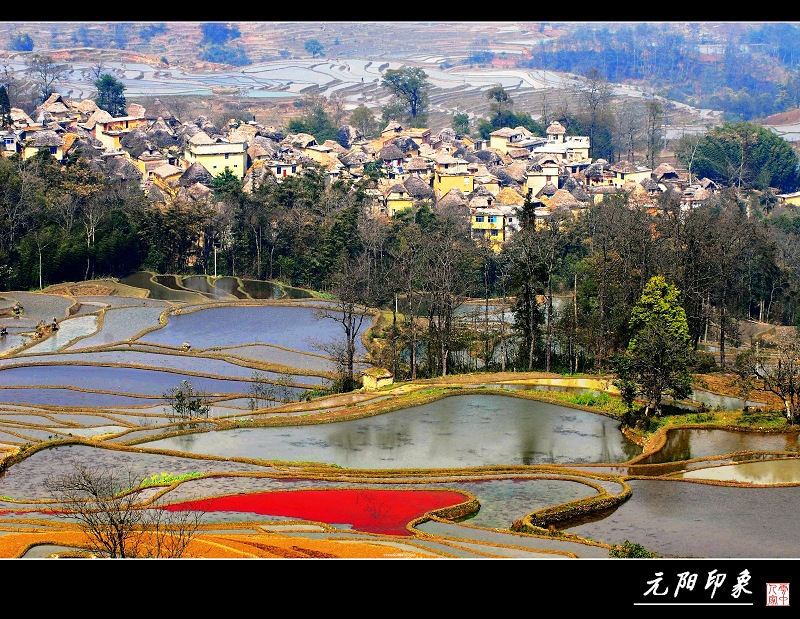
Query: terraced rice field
[(416, 470)]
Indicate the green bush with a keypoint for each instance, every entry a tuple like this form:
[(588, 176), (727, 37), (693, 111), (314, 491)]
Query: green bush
[(630, 550), (704, 362)]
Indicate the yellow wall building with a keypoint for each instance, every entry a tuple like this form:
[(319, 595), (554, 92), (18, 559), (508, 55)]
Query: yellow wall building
[(217, 157)]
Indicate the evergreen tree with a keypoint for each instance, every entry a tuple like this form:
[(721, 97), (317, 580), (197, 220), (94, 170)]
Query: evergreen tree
[(659, 354), (110, 95), (5, 108)]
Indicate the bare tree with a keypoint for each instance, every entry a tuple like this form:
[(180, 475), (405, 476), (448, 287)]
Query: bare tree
[(629, 123), (349, 287), (654, 121), (45, 71), (113, 513), (777, 369), (446, 255), (21, 90), (186, 403), (596, 93)]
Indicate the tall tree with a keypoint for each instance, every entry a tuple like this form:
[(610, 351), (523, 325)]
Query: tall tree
[(46, 72), (654, 121), (314, 47), (596, 93), (108, 505), (499, 100), (776, 366), (744, 155), (659, 353), (5, 108), (526, 281), (110, 95), (460, 123), (363, 119), (349, 285), (410, 87)]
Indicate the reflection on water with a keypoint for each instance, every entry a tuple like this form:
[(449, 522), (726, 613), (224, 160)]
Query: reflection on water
[(231, 286), (682, 519), (458, 431), (721, 402), (146, 280), (687, 443), (777, 471), (69, 329), (258, 289), (201, 284)]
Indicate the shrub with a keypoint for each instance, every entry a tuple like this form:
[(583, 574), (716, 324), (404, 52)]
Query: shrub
[(630, 550)]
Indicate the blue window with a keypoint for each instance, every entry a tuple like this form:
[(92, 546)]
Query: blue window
[(494, 232), (479, 218), (492, 219)]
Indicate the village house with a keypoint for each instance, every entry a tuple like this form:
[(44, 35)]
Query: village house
[(452, 172), (31, 142), (110, 130), (216, 154)]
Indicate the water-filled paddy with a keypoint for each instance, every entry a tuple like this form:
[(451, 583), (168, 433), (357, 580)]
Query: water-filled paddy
[(451, 432), (689, 443), (293, 327), (69, 330), (120, 324), (115, 379), (454, 433), (766, 472), (685, 519)]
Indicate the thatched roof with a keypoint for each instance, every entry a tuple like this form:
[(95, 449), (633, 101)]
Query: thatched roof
[(121, 169), (580, 194), (596, 169), (298, 140), (166, 170), (503, 176), (242, 133), (335, 147), (46, 138), (454, 197), (161, 126), (509, 197), (665, 171), (548, 190), (154, 194), (649, 184), (135, 110), (86, 107), (518, 171), (418, 188), (157, 110), (390, 152), (417, 164), (564, 199), (356, 158), (98, 116), (256, 176), (195, 192), (405, 144), (489, 157), (136, 142), (201, 138), (195, 173)]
